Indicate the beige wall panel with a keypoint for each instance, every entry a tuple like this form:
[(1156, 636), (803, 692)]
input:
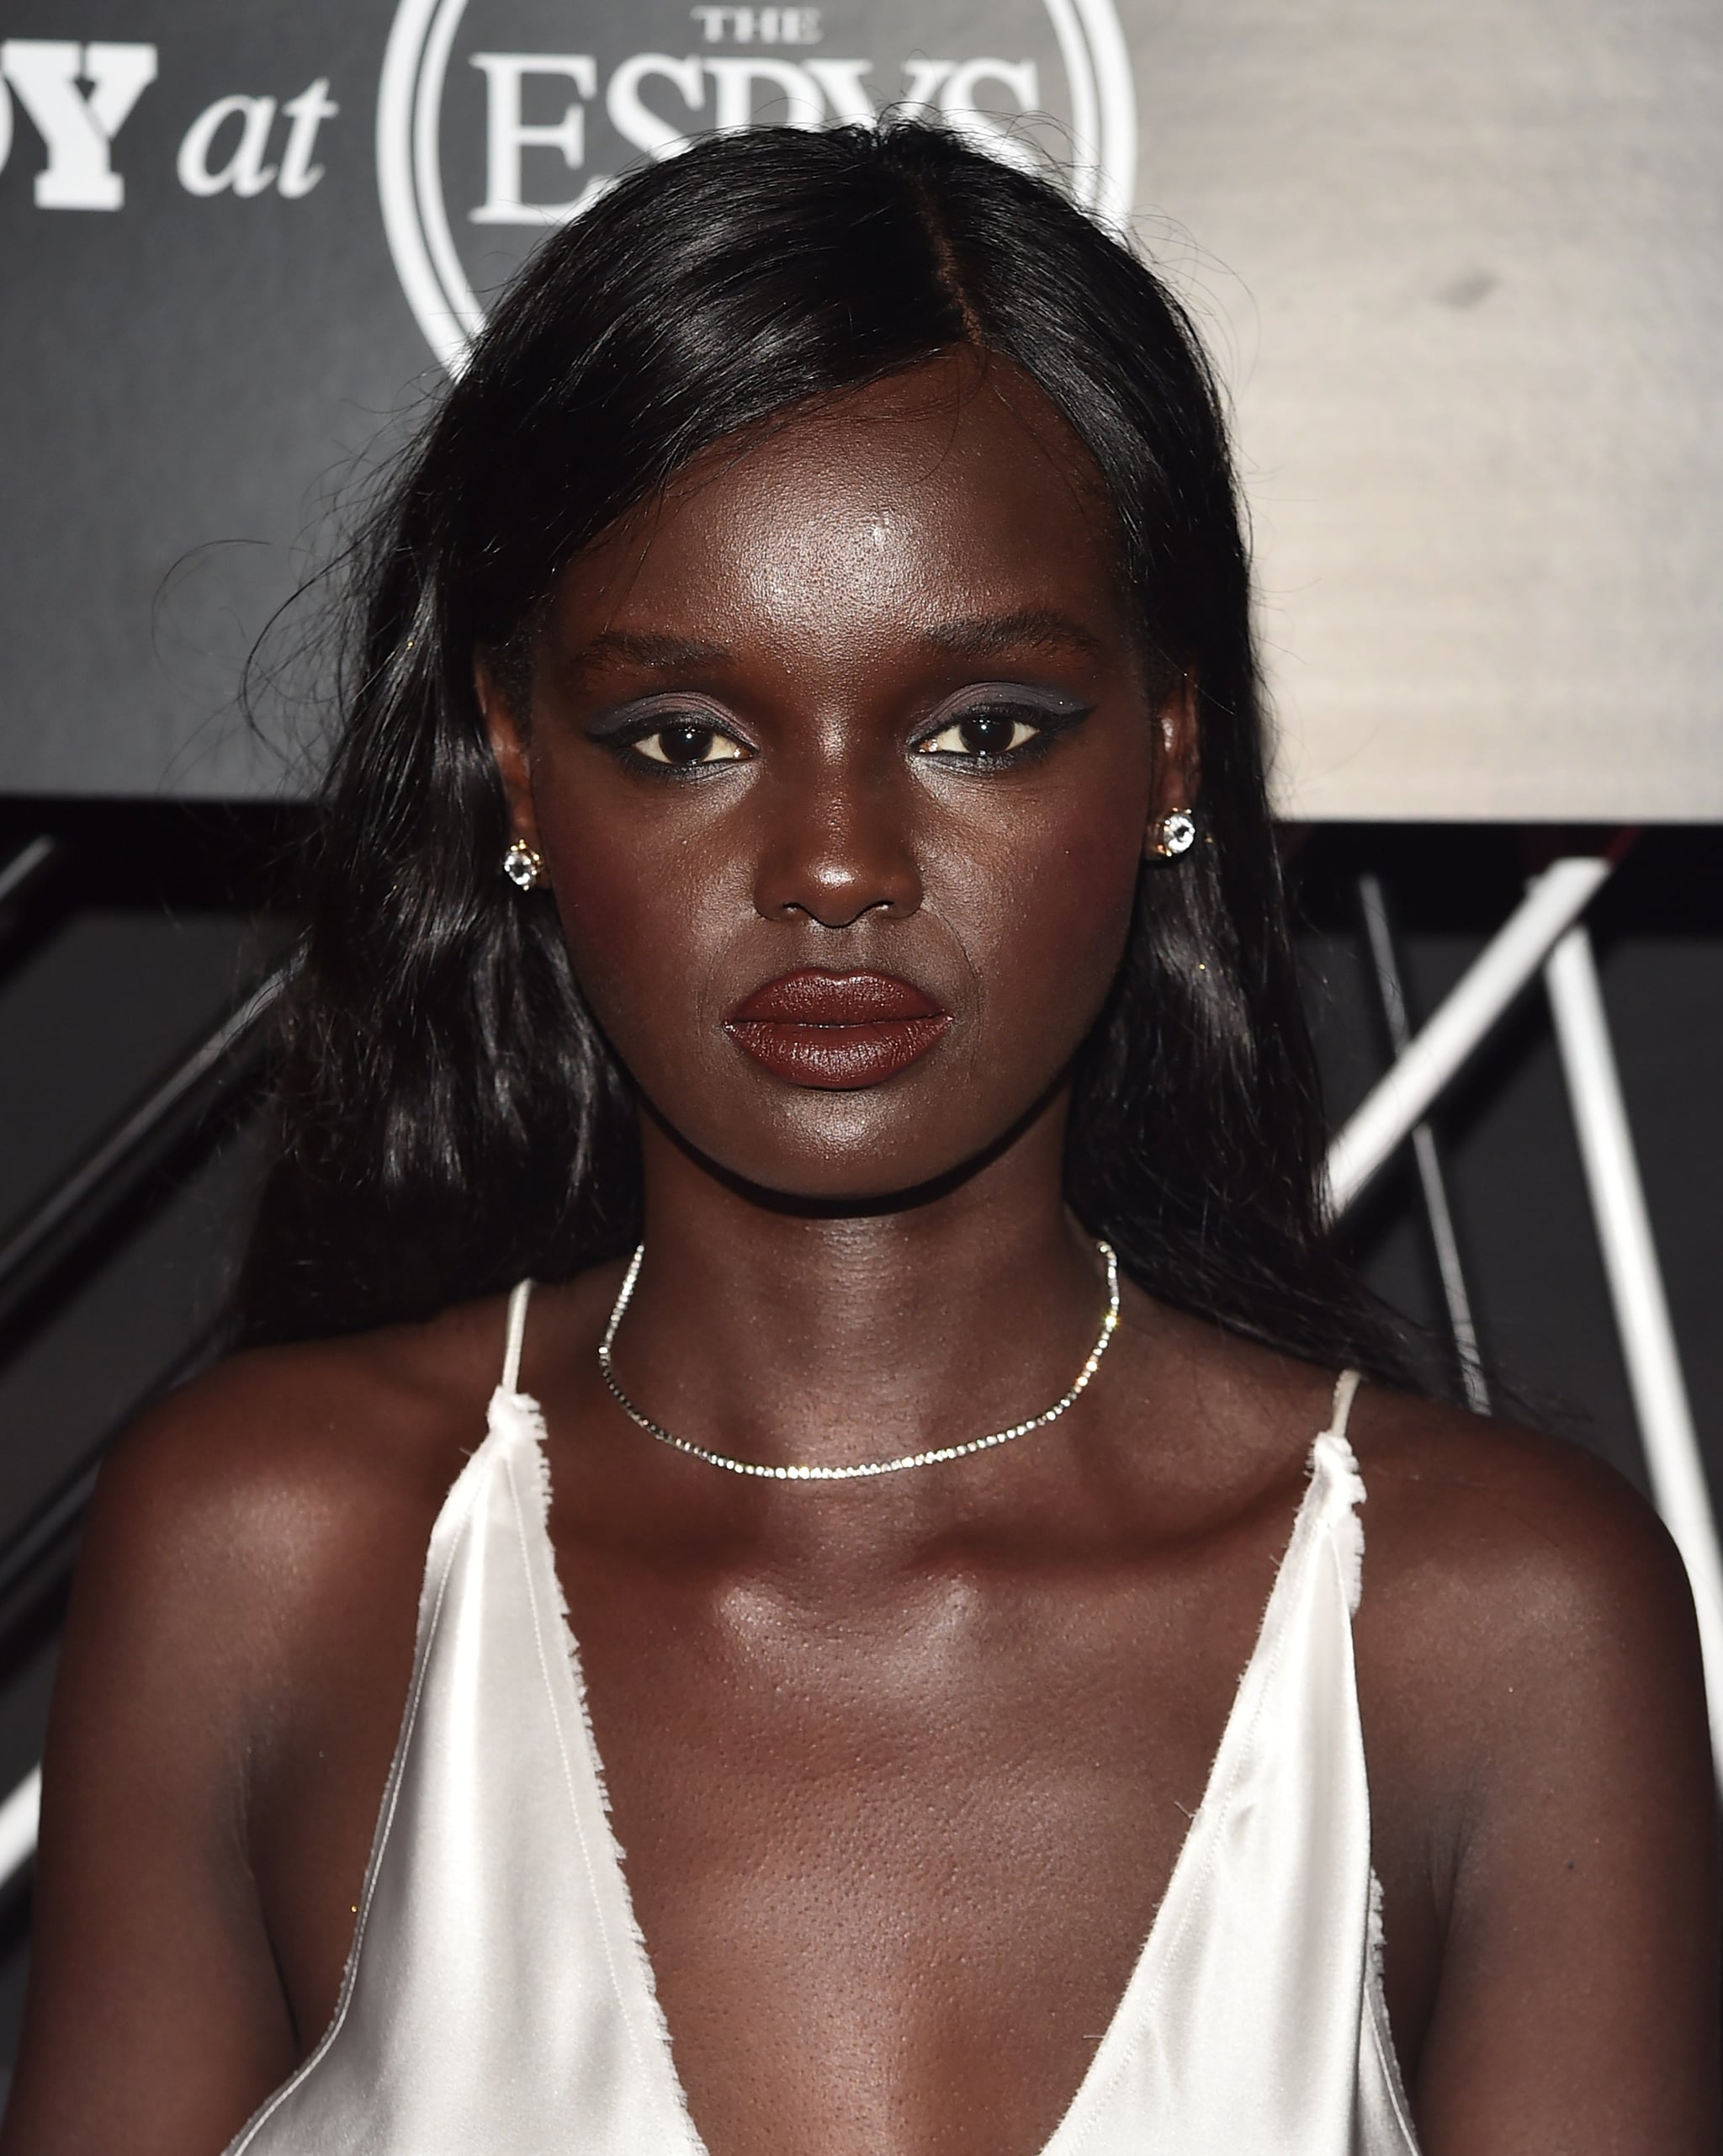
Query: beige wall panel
[(1461, 268)]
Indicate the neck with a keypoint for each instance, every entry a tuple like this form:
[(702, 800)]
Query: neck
[(788, 1335)]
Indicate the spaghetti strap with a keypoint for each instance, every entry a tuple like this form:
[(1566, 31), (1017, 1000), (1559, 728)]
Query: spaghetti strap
[(1346, 1387), (516, 1333)]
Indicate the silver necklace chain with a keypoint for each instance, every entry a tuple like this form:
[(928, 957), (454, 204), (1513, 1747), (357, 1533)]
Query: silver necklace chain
[(861, 1470)]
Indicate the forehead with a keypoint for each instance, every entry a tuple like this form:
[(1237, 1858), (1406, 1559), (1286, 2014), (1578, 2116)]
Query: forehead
[(953, 488)]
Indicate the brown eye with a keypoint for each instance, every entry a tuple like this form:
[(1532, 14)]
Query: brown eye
[(980, 734), (988, 734), (685, 743)]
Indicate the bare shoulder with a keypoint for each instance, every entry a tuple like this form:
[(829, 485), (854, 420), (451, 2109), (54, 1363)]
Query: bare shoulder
[(1522, 1601), (272, 1420), (242, 1501), (1474, 1518), (1486, 1544)]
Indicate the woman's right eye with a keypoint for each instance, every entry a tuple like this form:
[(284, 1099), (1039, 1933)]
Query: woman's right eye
[(685, 743)]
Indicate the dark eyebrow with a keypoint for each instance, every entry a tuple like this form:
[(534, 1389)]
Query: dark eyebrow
[(644, 648), (1041, 628)]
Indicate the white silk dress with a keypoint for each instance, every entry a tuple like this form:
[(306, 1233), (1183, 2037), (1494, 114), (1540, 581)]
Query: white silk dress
[(498, 1999)]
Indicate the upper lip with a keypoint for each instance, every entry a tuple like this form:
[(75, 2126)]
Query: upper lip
[(814, 997)]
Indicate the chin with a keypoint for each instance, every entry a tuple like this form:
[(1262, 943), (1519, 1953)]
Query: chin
[(866, 1178), (868, 1151)]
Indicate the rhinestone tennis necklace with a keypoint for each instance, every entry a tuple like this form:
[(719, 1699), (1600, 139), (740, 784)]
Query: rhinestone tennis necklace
[(862, 1469)]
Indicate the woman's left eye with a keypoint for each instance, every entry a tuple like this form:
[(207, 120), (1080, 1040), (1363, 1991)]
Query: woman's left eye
[(981, 733), (685, 743)]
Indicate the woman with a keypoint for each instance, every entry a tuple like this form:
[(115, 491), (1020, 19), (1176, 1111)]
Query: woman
[(796, 663)]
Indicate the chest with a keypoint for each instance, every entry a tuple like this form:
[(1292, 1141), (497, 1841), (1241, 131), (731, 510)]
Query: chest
[(927, 1833), (894, 1854)]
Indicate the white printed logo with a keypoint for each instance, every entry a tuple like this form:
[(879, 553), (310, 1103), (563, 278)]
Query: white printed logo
[(77, 125), (488, 124)]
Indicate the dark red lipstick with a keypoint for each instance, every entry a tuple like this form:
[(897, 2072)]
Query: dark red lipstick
[(841, 1031)]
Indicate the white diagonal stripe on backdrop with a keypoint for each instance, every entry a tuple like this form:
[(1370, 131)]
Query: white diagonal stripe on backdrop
[(1673, 1461), (1443, 1046)]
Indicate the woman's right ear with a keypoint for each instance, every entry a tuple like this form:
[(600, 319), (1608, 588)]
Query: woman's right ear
[(508, 745)]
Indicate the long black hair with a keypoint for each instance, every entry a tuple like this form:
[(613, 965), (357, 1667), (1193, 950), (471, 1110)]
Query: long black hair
[(450, 1116)]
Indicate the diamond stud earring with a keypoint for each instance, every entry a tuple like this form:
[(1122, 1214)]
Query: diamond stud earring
[(1175, 833), (523, 865)]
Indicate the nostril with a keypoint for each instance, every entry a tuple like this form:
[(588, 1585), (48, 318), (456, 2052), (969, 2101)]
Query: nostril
[(833, 892), (834, 912)]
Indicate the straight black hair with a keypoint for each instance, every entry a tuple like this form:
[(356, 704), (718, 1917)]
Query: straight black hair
[(450, 1119)]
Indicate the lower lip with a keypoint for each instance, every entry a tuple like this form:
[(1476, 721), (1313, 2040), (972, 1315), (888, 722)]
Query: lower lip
[(841, 1059)]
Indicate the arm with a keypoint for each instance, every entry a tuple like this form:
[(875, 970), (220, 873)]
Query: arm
[(156, 2020), (1577, 2009)]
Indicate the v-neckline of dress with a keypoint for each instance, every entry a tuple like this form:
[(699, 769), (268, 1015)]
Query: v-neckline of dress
[(1330, 1468)]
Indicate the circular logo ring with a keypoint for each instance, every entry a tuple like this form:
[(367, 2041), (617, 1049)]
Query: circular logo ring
[(1092, 51)]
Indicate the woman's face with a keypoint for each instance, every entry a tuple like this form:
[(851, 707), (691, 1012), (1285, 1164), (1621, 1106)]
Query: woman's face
[(841, 758)]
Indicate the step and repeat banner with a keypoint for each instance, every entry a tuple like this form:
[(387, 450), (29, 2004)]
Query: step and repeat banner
[(1459, 263)]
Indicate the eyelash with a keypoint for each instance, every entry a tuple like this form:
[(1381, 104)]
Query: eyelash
[(625, 744), (716, 734), (1045, 726)]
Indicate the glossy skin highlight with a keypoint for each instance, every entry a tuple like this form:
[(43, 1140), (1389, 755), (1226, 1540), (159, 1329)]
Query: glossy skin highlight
[(901, 1769)]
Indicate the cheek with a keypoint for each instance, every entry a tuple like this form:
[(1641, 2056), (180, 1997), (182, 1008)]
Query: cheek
[(1048, 954), (632, 917)]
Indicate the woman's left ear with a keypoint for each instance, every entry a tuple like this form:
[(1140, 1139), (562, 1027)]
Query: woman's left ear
[(1178, 772)]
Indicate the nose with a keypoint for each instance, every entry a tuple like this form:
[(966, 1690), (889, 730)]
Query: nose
[(838, 843)]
